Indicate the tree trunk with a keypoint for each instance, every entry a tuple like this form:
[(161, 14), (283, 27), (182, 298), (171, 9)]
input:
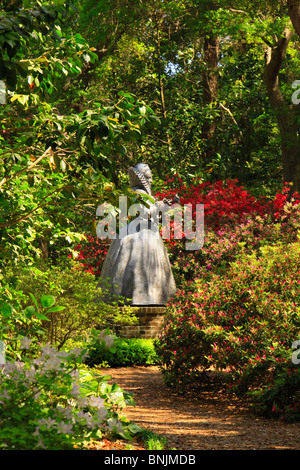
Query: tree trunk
[(44, 246), (210, 90), (294, 14), (159, 65), (285, 114), (159, 68)]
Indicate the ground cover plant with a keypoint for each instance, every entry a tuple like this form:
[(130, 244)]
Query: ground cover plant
[(120, 352)]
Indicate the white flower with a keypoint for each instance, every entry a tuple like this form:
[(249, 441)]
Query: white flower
[(75, 389), (82, 402), (65, 428), (81, 414), (96, 402), (47, 350), (114, 425), (25, 343), (66, 413), (101, 414), (10, 367), (109, 340), (52, 363), (49, 422), (76, 352), (40, 444), (31, 375), (89, 421), (5, 396)]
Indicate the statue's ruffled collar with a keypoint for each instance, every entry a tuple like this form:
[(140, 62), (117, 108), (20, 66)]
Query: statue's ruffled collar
[(137, 178)]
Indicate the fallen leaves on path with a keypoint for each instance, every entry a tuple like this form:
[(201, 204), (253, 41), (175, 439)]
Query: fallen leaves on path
[(106, 444)]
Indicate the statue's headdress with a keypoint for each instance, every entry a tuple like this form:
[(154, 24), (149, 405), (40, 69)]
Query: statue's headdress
[(137, 178)]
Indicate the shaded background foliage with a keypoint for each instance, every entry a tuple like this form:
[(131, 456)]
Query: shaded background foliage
[(184, 86), (200, 66)]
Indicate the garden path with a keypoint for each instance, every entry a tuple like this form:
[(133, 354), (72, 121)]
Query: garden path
[(203, 421)]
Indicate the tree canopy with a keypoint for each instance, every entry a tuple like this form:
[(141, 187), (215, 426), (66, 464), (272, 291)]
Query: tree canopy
[(195, 88)]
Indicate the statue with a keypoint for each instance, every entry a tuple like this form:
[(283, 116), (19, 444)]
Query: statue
[(137, 266)]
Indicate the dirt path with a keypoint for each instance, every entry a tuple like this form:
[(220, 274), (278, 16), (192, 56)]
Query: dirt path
[(204, 422)]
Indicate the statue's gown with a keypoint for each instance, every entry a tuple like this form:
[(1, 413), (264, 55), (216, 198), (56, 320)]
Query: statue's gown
[(137, 266)]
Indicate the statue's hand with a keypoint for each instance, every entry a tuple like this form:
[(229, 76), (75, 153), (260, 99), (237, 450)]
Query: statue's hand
[(167, 201), (176, 199)]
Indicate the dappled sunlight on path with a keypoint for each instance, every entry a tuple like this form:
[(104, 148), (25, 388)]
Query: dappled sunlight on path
[(201, 422)]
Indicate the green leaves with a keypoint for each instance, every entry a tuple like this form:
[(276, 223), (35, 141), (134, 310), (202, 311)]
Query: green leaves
[(47, 301), (29, 320), (84, 147), (29, 311), (21, 28), (6, 310), (103, 131)]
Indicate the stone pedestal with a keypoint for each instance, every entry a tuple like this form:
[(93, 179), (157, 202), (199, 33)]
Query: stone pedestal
[(149, 326)]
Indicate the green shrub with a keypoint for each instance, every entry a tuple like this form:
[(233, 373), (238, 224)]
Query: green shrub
[(243, 322), (74, 289), (123, 351), (17, 323)]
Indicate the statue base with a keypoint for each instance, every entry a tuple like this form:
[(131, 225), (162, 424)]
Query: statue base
[(149, 326)]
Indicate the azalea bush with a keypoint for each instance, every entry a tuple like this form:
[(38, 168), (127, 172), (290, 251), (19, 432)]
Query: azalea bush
[(279, 398), (242, 322), (226, 244), (91, 253), (224, 202), (52, 402)]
